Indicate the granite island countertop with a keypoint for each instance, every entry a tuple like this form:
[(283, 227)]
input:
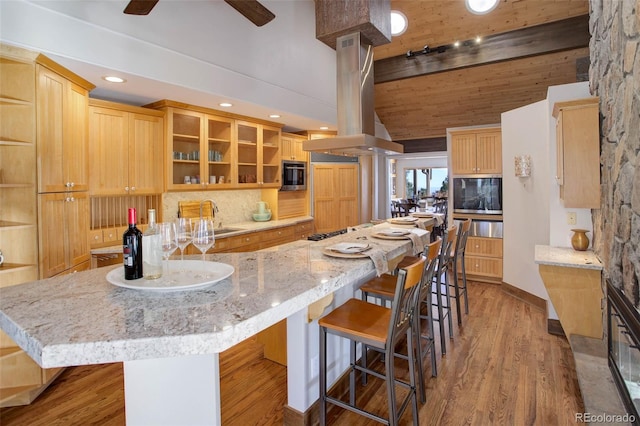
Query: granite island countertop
[(82, 319), (567, 257)]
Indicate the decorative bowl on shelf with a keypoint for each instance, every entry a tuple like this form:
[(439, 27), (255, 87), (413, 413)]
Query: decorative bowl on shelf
[(262, 217)]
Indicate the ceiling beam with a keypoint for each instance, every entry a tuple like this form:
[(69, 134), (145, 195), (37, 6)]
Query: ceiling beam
[(542, 39), (424, 145)]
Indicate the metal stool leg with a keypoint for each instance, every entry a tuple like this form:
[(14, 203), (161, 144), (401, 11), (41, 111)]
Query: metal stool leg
[(323, 376)]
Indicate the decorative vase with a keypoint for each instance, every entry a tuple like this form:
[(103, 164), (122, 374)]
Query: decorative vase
[(579, 240)]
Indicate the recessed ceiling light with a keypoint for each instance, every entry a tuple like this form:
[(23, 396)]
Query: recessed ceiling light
[(478, 39), (398, 23), (324, 128), (113, 79), (226, 104), (480, 7), (274, 115)]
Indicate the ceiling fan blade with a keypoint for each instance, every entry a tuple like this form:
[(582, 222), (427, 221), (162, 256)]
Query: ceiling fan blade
[(140, 7), (252, 10)]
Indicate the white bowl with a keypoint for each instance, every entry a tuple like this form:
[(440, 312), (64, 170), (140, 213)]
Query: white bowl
[(262, 217)]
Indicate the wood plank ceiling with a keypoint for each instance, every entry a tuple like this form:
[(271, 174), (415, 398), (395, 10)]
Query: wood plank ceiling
[(423, 107)]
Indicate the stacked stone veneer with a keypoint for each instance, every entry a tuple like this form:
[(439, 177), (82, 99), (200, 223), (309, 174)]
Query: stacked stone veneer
[(614, 76)]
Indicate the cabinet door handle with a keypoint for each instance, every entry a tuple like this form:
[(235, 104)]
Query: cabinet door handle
[(126, 188), (133, 188)]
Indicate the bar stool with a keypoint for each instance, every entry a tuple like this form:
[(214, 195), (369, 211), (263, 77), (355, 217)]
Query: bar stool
[(381, 328), (383, 288), (457, 260), (442, 301)]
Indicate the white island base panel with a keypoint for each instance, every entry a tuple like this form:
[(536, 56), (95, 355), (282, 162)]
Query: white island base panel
[(173, 391)]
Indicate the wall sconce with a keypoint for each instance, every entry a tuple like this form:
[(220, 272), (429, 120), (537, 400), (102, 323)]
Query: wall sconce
[(523, 165)]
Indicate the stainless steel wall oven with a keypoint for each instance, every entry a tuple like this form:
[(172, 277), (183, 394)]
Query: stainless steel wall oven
[(294, 175), (473, 194)]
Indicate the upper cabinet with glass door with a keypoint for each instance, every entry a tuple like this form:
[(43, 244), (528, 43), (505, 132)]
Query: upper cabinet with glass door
[(208, 149), (219, 157), (271, 163), (185, 135), (258, 155)]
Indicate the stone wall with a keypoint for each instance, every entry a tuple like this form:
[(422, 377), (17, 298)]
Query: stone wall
[(614, 76)]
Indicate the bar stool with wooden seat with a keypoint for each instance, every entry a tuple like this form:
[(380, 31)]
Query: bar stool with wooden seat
[(442, 301), (457, 261), (383, 288), (381, 328)]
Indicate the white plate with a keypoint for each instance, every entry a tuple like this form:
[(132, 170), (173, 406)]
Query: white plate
[(406, 219), (349, 248), (183, 275), (393, 232)]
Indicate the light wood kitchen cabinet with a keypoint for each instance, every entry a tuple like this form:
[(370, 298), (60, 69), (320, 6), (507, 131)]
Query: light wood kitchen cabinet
[(125, 153), (578, 152), (292, 147), (258, 158), (63, 228), (21, 378), (62, 123), (199, 146), (336, 196), (477, 151), (483, 258), (203, 143)]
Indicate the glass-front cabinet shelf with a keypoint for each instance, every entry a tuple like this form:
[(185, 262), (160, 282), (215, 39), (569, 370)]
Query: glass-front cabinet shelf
[(271, 155), (247, 153), (209, 151), (185, 135), (220, 133)]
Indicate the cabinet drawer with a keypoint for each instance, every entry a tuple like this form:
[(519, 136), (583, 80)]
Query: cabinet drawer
[(485, 266), (483, 246), (287, 233), (303, 230), (111, 234), (244, 240), (95, 237)]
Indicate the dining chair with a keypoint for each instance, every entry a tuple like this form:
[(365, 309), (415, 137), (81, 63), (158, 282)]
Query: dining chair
[(457, 265), (382, 288), (381, 328)]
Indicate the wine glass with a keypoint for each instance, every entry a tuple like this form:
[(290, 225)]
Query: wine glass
[(203, 236), (168, 241), (184, 229)]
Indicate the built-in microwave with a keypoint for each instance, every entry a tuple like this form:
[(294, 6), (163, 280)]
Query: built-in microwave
[(477, 195), (294, 175)]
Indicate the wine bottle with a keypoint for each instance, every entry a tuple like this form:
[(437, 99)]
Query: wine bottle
[(132, 249), (151, 249)]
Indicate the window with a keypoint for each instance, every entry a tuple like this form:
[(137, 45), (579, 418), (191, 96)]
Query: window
[(424, 183)]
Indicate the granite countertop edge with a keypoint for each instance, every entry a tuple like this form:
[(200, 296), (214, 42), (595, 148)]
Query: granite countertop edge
[(566, 257)]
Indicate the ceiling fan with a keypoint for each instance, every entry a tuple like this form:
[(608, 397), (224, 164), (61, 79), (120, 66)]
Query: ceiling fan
[(250, 9)]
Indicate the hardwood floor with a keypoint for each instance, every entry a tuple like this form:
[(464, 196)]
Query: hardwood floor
[(502, 367)]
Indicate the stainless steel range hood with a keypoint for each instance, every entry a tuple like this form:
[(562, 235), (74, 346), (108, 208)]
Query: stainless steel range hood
[(356, 114)]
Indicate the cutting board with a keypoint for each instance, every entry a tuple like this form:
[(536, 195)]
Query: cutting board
[(191, 209)]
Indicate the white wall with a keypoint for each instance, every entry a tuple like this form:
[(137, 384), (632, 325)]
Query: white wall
[(533, 212), (525, 200)]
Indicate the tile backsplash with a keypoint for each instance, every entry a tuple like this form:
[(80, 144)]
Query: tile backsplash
[(234, 206)]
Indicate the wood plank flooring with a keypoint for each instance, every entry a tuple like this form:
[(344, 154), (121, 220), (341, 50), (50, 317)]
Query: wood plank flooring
[(502, 367)]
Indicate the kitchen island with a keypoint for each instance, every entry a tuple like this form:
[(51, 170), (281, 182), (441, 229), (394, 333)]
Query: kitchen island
[(169, 342)]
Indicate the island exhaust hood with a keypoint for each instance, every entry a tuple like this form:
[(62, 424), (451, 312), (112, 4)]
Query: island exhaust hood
[(356, 114)]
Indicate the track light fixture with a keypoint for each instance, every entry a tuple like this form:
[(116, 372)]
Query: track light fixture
[(426, 50), (441, 49)]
